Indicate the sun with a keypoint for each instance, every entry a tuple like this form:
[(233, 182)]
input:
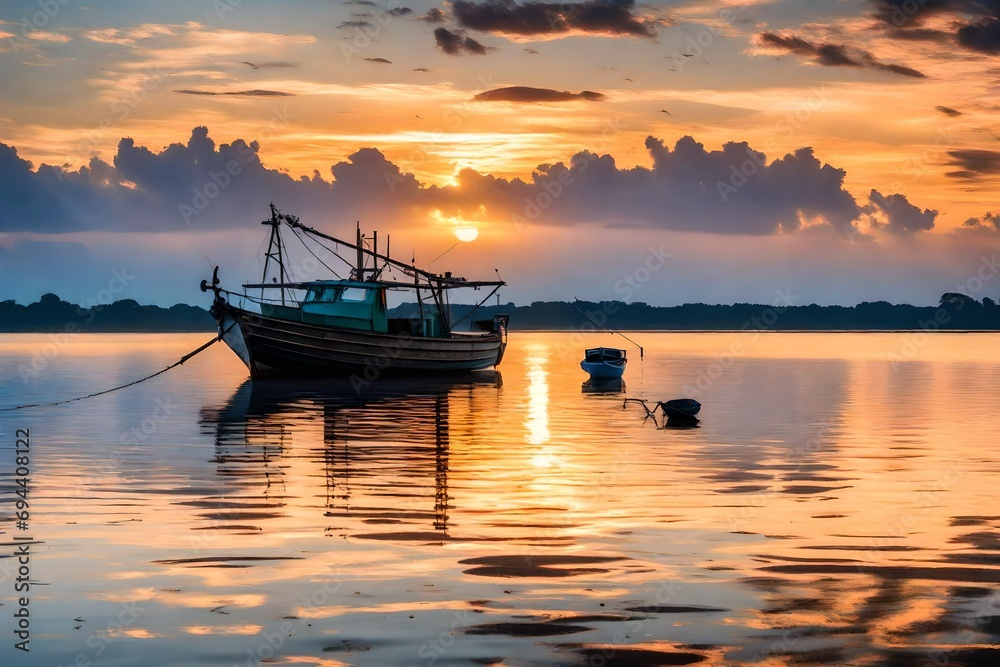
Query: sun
[(466, 233)]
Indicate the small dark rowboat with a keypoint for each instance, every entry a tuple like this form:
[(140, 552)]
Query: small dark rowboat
[(677, 411), (681, 409)]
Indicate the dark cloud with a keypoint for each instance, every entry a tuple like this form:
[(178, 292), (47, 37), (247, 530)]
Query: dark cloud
[(835, 55), (356, 24), (456, 43), (527, 94), (948, 111), (277, 64), (252, 93), (199, 186), (400, 11), (974, 162), (976, 23), (919, 35), (987, 222), (602, 17), (363, 3), (421, 69), (382, 61), (981, 36), (434, 15), (902, 217)]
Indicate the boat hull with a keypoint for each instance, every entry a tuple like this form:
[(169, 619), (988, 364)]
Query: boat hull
[(603, 371), (274, 347)]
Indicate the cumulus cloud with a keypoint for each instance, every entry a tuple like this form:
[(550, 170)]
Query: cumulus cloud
[(529, 95), (199, 186), (835, 55), (987, 222), (896, 214), (948, 111), (974, 162), (456, 43), (433, 15), (400, 11), (381, 61), (599, 17)]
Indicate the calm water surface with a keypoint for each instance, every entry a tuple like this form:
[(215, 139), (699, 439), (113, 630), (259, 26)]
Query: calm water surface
[(836, 505)]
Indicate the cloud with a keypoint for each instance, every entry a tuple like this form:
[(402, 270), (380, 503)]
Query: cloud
[(252, 93), (987, 222), (974, 162), (400, 11), (201, 187), (948, 111), (598, 17), (835, 55), (277, 64), (455, 43), (357, 24), (529, 95), (898, 215), (379, 60), (981, 36), (433, 15), (976, 23)]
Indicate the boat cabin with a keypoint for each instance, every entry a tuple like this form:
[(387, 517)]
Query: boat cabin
[(352, 304)]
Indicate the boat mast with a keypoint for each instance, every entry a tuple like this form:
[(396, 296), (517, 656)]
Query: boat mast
[(360, 270), (274, 251)]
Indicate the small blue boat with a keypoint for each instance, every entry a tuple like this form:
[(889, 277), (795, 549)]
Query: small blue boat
[(604, 363)]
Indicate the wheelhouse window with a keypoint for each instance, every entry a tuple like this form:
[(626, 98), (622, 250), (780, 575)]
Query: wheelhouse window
[(321, 295), (354, 294)]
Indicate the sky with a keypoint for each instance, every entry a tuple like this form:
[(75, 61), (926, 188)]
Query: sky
[(663, 152)]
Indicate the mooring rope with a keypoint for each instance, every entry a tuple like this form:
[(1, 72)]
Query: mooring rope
[(108, 391)]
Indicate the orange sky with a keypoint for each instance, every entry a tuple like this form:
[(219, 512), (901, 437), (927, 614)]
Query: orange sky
[(910, 113)]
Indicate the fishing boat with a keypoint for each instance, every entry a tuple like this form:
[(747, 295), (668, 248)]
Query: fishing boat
[(342, 326), (604, 363)]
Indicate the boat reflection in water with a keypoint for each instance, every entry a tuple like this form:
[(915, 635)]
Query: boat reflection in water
[(605, 386), (392, 438)]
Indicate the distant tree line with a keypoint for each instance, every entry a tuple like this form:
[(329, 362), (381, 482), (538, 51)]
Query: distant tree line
[(50, 314), (955, 311)]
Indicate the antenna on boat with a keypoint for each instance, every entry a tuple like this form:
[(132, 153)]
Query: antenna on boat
[(588, 316), (360, 270)]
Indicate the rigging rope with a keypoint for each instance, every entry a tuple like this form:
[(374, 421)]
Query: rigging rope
[(108, 391), (295, 233)]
